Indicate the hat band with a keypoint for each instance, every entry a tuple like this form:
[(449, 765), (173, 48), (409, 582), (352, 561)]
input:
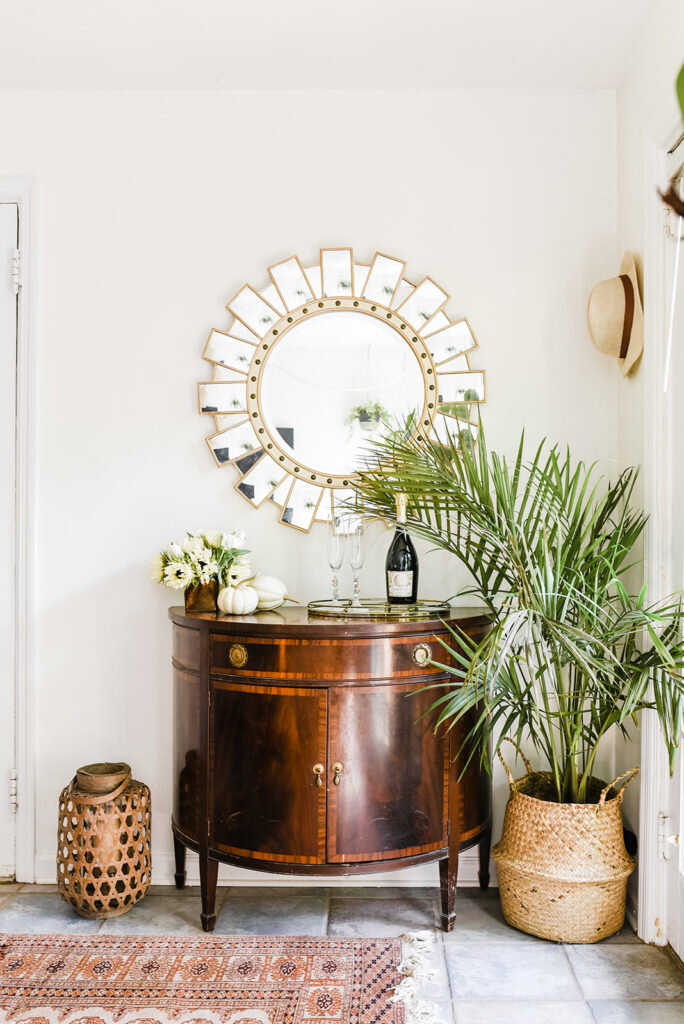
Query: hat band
[(629, 314)]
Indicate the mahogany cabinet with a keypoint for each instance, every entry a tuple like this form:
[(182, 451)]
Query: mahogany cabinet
[(306, 746)]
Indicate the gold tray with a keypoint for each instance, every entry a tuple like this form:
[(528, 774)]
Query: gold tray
[(379, 608)]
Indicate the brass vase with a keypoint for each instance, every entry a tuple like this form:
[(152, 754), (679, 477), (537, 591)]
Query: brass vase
[(202, 597)]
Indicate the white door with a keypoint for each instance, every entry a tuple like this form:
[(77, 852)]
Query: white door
[(9, 225), (672, 845)]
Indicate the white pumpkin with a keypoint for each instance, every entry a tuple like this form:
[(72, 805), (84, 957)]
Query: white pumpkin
[(237, 600), (271, 591)]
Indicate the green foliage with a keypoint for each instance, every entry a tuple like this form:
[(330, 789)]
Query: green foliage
[(680, 90), (571, 655)]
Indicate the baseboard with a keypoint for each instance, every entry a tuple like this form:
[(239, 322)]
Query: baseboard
[(163, 868)]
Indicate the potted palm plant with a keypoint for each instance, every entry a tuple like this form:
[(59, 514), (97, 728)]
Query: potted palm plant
[(570, 658)]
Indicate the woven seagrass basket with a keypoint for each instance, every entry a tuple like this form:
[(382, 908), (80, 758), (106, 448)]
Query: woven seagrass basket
[(104, 860), (563, 868)]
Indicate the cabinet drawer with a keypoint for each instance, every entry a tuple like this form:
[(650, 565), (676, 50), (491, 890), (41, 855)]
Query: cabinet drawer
[(325, 659)]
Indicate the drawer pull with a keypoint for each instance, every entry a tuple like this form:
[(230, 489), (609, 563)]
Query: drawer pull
[(237, 655), (337, 769), (421, 654), (318, 770)]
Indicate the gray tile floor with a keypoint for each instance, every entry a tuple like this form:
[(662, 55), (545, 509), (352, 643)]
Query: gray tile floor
[(486, 972)]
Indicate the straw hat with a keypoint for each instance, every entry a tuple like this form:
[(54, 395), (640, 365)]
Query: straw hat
[(616, 319)]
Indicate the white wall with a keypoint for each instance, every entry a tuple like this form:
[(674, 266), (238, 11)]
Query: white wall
[(155, 209)]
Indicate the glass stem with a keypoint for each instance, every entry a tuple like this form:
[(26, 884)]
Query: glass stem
[(357, 590), (336, 596)]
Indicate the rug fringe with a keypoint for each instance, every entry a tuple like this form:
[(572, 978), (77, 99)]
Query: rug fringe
[(416, 969)]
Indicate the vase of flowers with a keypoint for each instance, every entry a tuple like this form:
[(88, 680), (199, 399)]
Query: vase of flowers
[(200, 564)]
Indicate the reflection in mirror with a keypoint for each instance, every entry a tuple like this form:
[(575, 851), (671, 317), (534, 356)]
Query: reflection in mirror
[(230, 444), (383, 279), (222, 397), (334, 380), (450, 341), (337, 272), (249, 307), (227, 351), (260, 481), (422, 303), (438, 321), (270, 293), (290, 280), (457, 390), (344, 501), (281, 492), (301, 505)]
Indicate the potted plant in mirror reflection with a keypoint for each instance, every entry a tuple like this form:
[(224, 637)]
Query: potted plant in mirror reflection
[(571, 657), (368, 415), (200, 564)]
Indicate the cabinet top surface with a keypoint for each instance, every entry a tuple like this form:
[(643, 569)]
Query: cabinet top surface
[(289, 620)]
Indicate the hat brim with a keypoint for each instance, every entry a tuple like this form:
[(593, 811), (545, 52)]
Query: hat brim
[(630, 363)]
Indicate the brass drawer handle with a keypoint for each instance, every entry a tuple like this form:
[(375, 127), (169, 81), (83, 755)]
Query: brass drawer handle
[(421, 654), (318, 770), (237, 655), (337, 770)]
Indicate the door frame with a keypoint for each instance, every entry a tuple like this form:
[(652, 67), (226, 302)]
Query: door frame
[(23, 190), (655, 775)]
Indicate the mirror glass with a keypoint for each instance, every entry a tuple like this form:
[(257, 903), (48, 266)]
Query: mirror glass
[(334, 380)]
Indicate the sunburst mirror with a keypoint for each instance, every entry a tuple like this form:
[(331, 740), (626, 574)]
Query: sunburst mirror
[(321, 359)]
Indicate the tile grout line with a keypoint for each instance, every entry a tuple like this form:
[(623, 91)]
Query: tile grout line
[(570, 964)]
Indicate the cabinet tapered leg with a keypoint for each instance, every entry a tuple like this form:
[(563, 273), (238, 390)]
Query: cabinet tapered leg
[(208, 878), (448, 875), (179, 855), (485, 844)]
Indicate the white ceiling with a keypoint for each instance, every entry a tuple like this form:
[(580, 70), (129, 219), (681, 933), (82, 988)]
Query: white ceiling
[(317, 44)]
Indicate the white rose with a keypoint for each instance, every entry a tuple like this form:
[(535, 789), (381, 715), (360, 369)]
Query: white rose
[(236, 539), (193, 546), (173, 551), (212, 537)]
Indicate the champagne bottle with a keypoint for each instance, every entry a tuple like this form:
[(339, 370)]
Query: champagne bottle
[(401, 564)]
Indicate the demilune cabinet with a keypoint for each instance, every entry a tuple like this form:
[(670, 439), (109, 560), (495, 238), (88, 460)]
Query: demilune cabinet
[(306, 746)]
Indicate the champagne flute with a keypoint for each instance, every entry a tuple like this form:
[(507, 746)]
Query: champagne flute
[(337, 539), (356, 553)]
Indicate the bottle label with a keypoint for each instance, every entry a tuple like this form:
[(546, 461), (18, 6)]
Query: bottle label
[(399, 584)]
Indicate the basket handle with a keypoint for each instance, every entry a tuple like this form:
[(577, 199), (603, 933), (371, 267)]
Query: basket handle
[(509, 773), (94, 799), (630, 774)]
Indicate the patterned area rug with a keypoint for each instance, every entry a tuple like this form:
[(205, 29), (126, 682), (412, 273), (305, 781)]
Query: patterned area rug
[(56, 979)]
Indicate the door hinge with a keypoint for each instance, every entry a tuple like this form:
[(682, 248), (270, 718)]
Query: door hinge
[(16, 271), (14, 803), (666, 839)]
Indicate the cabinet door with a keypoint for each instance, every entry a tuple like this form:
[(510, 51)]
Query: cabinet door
[(391, 796), (265, 741)]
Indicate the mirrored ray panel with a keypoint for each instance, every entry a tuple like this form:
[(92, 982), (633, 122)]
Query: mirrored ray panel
[(291, 282), (361, 271), (335, 380), (404, 289), (384, 276), (437, 322), (260, 481), (447, 427), (313, 276), (301, 505), (279, 496), (222, 397), (450, 341), (337, 272), (422, 303), (233, 443), (238, 330), (224, 350), (456, 390), (249, 307), (270, 293)]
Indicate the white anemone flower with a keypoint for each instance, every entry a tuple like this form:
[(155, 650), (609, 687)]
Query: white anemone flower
[(178, 575), (240, 570), (193, 546)]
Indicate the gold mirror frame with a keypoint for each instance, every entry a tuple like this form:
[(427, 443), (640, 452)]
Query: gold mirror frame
[(239, 355)]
